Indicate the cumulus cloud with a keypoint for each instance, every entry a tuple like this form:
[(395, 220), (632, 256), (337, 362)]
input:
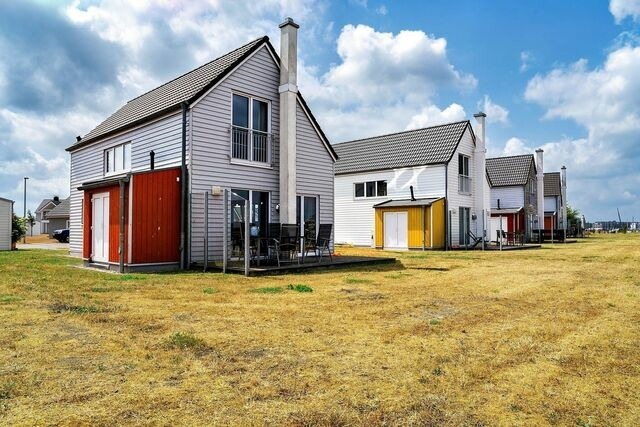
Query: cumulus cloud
[(495, 113), (605, 101), (382, 10), (620, 9), (384, 82)]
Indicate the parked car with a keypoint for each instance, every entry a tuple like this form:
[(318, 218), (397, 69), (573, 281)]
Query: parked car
[(61, 236)]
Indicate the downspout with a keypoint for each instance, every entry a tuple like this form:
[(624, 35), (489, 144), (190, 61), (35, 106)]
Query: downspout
[(446, 207), (183, 185), (122, 183)]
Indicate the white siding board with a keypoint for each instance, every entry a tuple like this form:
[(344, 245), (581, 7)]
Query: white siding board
[(456, 199), (510, 197), (355, 218), (550, 204)]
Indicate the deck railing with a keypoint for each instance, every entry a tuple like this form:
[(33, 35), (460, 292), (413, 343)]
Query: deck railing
[(464, 184), (249, 144)]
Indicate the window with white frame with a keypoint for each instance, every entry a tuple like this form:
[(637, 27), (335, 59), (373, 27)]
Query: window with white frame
[(117, 159), (370, 189), (464, 180), (250, 137)]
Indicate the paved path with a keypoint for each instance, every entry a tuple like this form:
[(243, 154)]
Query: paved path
[(54, 246)]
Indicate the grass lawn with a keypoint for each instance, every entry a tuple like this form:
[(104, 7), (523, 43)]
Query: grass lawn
[(548, 336)]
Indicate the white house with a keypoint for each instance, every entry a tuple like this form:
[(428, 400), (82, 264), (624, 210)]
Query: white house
[(439, 162), (6, 219), (142, 180)]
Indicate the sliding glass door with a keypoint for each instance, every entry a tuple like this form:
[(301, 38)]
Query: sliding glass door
[(307, 215)]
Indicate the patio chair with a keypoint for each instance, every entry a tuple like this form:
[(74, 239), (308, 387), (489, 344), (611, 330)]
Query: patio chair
[(288, 244), (272, 241), (320, 243)]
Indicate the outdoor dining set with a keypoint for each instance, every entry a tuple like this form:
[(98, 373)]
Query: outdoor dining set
[(281, 243)]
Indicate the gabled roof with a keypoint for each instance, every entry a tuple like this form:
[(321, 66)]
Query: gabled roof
[(6, 200), (168, 97), (552, 184), (60, 211), (187, 88), (510, 170), (43, 204), (428, 146)]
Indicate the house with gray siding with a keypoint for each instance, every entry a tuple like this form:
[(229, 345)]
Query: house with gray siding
[(58, 217), (232, 132)]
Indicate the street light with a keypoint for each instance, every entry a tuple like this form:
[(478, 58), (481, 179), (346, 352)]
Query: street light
[(24, 213)]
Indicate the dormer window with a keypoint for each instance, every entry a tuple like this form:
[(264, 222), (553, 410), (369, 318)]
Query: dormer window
[(250, 137), (117, 159)]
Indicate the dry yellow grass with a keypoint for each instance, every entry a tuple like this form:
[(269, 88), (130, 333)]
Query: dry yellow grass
[(38, 238), (550, 336)]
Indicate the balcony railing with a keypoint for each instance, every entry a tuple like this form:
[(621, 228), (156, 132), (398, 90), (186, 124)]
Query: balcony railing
[(251, 145), (464, 184)]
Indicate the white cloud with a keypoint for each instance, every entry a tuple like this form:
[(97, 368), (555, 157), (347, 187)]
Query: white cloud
[(383, 83), (382, 10), (432, 115), (525, 60), (495, 113), (515, 146), (620, 9), (605, 101)]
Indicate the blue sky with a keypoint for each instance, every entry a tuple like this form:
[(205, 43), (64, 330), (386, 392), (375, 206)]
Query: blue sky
[(564, 76)]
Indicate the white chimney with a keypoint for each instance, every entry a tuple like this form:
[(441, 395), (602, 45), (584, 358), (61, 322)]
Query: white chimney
[(480, 180), (288, 94), (563, 177), (540, 189)]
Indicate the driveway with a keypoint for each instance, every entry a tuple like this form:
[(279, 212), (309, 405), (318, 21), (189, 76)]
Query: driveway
[(51, 246)]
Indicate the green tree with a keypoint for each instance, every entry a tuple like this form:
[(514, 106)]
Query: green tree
[(18, 228), (573, 215)]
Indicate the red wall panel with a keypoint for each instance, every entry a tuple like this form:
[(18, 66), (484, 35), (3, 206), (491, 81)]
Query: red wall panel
[(156, 217)]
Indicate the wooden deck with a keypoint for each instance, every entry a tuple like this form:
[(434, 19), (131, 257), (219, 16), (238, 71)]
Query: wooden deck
[(309, 264)]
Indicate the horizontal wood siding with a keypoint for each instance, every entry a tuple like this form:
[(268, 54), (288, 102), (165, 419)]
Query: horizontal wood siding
[(87, 164), (456, 199), (6, 212), (156, 217), (510, 197), (550, 204), (354, 218), (257, 77), (314, 168)]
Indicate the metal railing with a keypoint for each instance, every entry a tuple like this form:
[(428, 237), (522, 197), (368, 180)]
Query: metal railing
[(464, 184), (249, 144)]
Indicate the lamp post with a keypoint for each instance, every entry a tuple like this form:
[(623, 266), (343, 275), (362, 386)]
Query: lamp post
[(24, 213)]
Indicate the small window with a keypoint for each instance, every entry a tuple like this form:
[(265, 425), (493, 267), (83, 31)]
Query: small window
[(117, 159), (371, 189), (382, 188), (463, 165)]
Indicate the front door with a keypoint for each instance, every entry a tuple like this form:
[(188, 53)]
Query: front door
[(395, 230), (307, 216), (100, 227), (464, 225)]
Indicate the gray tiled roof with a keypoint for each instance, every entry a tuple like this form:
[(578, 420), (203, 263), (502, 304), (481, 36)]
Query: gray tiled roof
[(432, 145), (170, 95), (552, 184), (510, 170), (60, 211), (44, 203)]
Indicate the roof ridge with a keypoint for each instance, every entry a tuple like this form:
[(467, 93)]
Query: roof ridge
[(401, 132), (509, 157), (263, 39)]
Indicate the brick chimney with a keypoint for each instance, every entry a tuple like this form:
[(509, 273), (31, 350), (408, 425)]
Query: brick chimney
[(288, 94)]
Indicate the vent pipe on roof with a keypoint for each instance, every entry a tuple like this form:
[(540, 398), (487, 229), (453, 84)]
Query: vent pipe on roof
[(288, 95), (78, 138), (480, 184), (413, 199), (540, 189)]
